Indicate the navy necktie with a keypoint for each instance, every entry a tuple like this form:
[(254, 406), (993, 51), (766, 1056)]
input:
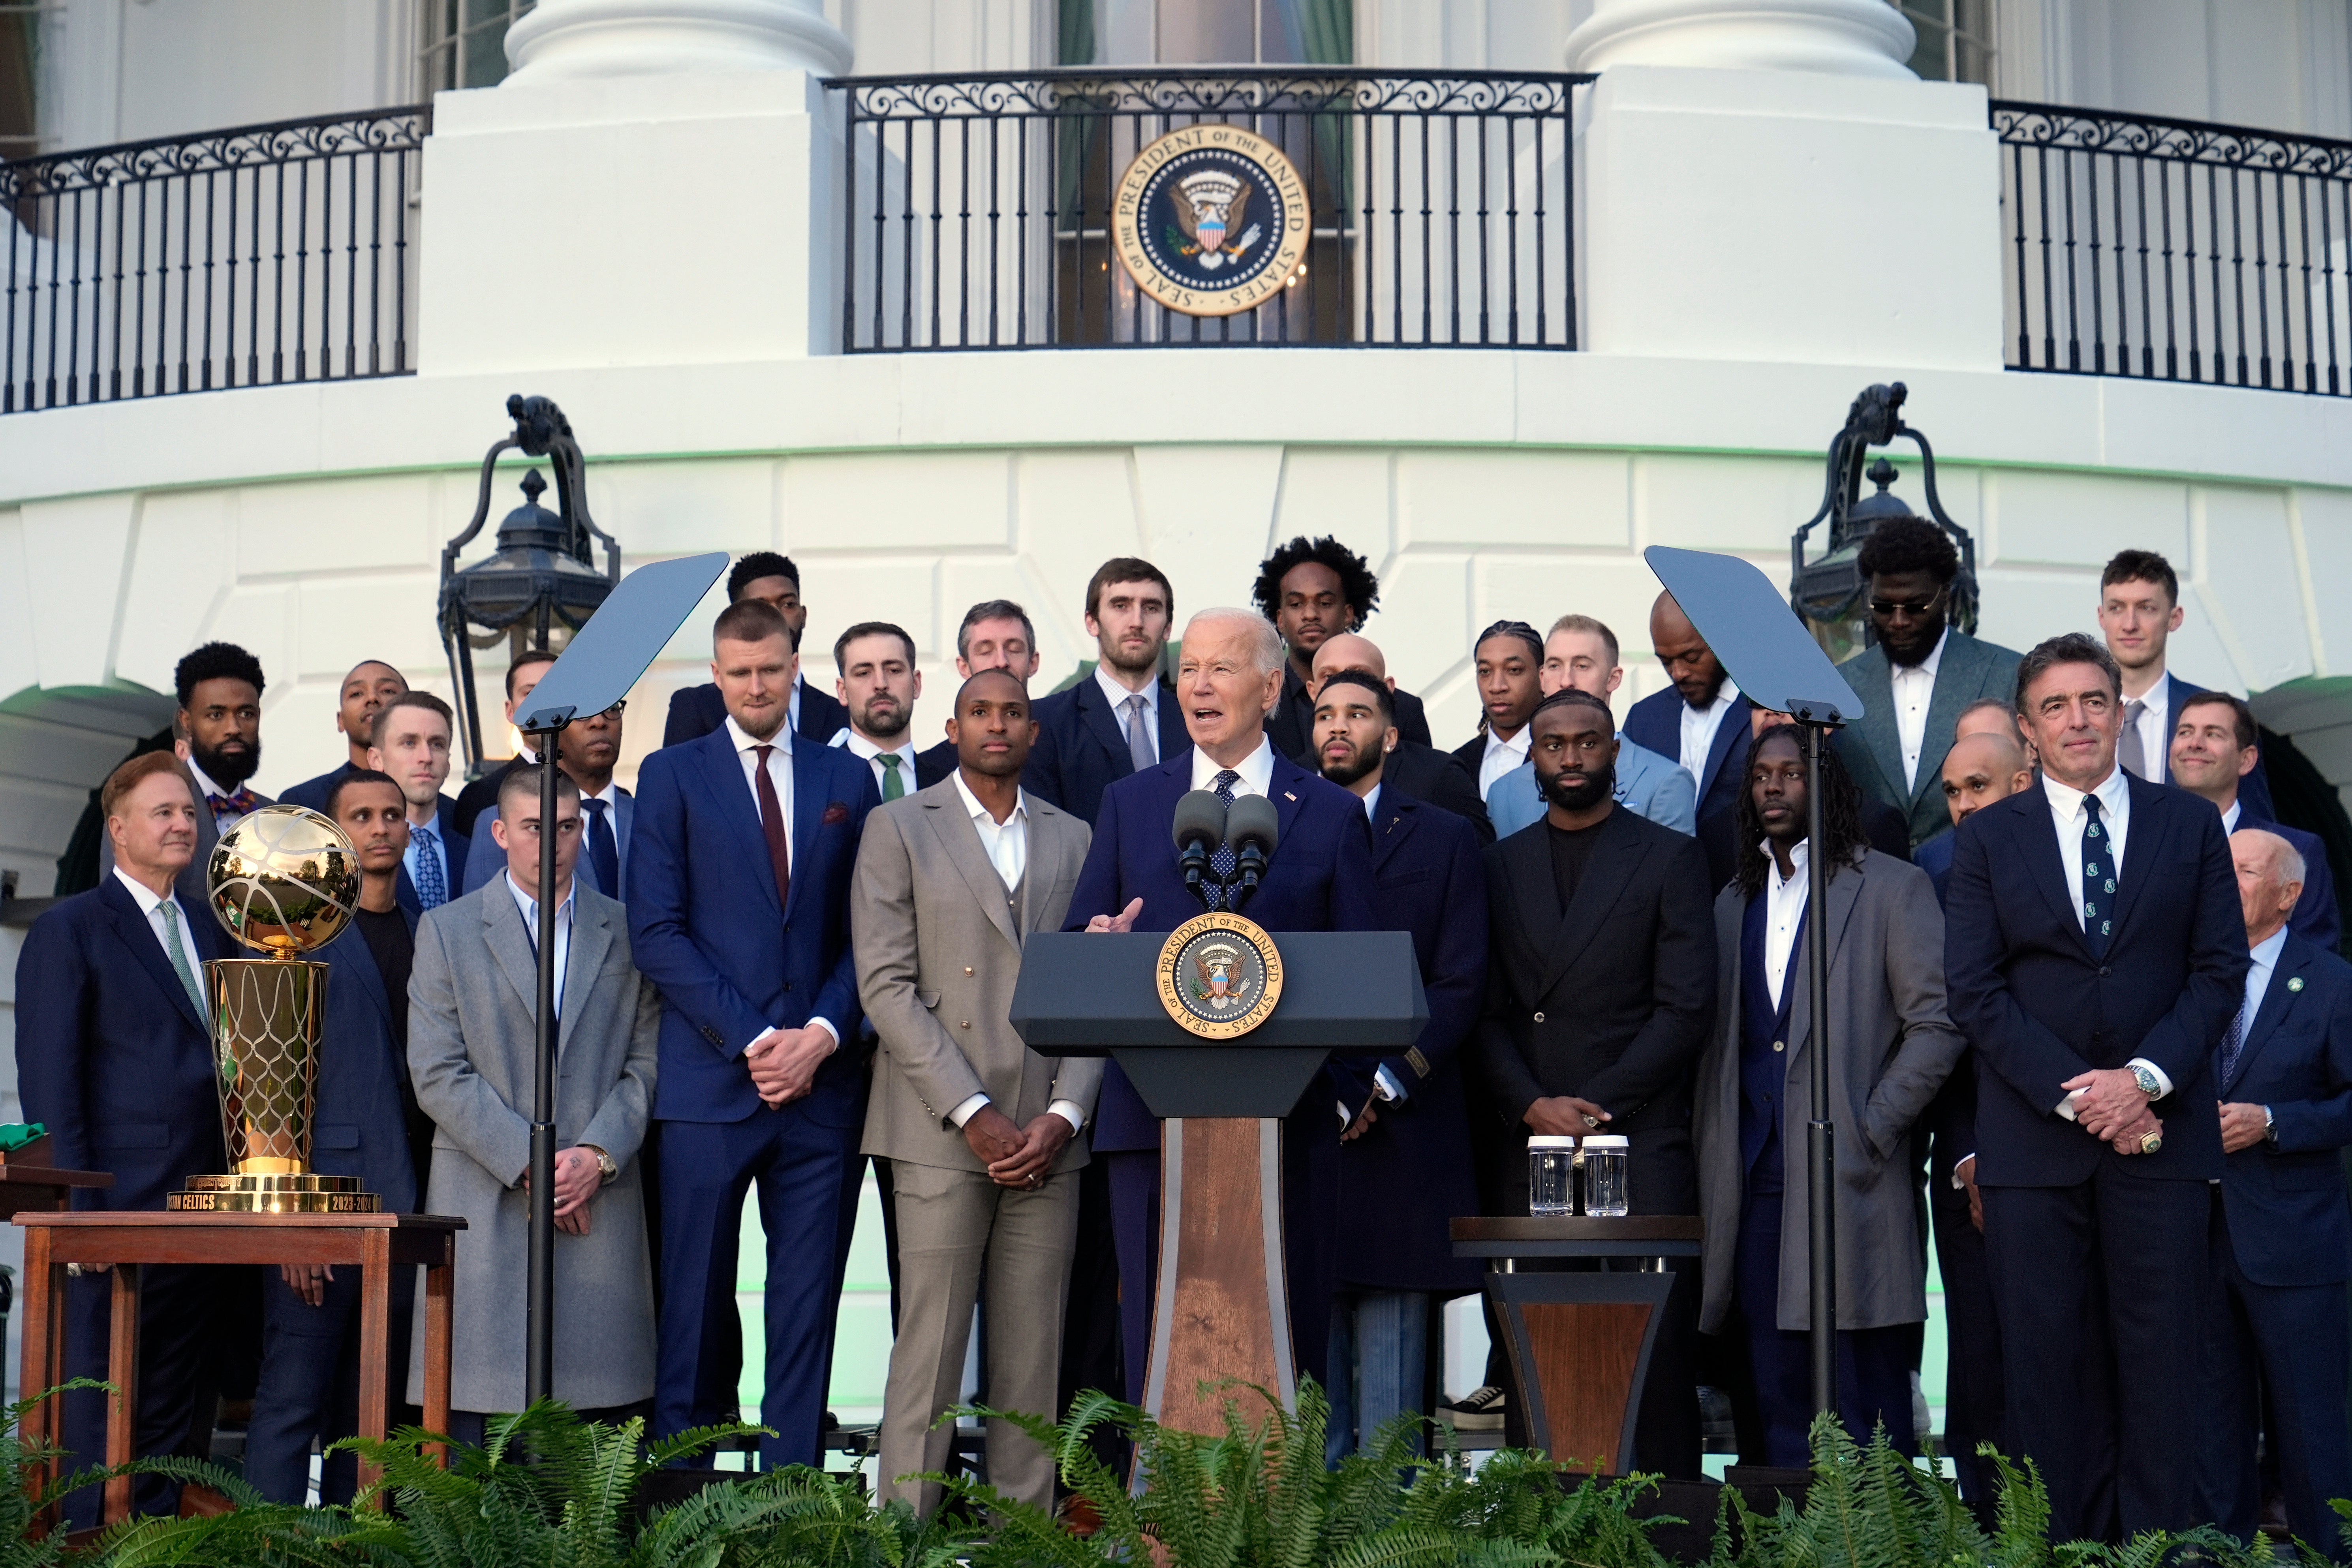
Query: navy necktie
[(2098, 879), (2234, 1045), (432, 881), (1222, 860), (604, 849)]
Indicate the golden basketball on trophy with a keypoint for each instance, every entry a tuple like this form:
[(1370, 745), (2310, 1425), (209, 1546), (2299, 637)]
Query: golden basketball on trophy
[(284, 881)]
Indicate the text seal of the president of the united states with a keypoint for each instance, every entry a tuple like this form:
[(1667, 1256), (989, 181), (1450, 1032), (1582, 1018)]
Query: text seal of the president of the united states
[(1211, 220)]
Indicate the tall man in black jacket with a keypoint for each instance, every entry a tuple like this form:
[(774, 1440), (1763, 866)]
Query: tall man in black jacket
[(1601, 990), (2094, 985)]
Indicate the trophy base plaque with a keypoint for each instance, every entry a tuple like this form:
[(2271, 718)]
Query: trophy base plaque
[(298, 1191)]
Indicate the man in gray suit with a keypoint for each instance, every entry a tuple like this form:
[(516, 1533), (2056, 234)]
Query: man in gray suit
[(472, 1053), (1918, 677), (980, 1132), (1894, 1047)]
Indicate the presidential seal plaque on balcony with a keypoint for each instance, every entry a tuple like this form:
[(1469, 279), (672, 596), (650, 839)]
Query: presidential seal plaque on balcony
[(1211, 220)]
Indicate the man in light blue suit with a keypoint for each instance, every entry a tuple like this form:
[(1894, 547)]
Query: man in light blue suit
[(1917, 677), (586, 752), (1582, 653), (738, 912)]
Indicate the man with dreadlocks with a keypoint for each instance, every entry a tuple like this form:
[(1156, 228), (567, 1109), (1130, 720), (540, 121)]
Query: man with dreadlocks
[(1892, 1046), (1312, 589)]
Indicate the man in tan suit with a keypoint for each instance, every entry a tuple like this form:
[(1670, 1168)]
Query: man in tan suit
[(982, 1133)]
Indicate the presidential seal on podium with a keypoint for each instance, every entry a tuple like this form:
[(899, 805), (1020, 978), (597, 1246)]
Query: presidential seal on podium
[(1220, 975), (285, 882)]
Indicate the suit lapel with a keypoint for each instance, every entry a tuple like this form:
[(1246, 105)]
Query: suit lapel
[(960, 836), (1731, 735), (1174, 738), (1957, 675), (1872, 679), (1101, 720), (1282, 789), (592, 939), (1845, 893), (148, 948), (2281, 996), (354, 956), (509, 941), (722, 773), (1395, 826), (810, 798), (2037, 843), (2146, 841), (1613, 864)]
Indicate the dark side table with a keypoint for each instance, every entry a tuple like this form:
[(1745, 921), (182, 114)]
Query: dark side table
[(1580, 1342)]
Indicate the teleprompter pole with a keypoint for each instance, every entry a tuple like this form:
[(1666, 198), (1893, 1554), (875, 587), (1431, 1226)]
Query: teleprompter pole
[(539, 1362), (1821, 1133)]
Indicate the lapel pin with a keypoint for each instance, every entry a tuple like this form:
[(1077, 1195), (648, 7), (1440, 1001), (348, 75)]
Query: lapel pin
[(2295, 983), (1288, 795)]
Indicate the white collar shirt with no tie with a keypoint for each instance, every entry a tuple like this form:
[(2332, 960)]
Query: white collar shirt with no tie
[(2069, 819), (1119, 696), (858, 745), (150, 905), (1503, 758), (1699, 726), (780, 774), (1256, 770), (1784, 908), (1914, 686), (528, 906)]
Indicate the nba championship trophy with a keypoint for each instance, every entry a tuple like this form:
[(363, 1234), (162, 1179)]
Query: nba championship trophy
[(284, 880)]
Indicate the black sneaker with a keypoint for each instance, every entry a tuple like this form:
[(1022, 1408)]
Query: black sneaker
[(1480, 1411)]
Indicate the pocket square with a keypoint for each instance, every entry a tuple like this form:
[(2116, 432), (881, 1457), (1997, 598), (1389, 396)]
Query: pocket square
[(834, 813)]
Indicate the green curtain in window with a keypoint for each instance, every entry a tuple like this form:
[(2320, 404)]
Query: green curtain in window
[(1074, 46), (20, 38), (1326, 30)]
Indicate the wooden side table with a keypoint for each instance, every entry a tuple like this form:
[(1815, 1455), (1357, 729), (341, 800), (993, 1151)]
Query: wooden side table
[(374, 1243), (1580, 1343)]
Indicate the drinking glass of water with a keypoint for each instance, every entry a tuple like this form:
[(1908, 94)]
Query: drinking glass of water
[(1606, 1192), (1551, 1174)]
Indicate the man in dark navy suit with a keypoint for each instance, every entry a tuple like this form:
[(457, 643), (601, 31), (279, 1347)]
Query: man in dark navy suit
[(114, 1058), (2216, 748), (738, 912), (1700, 721), (1319, 879), (2139, 609), (410, 741), (1404, 1166), (481, 795), (2095, 953), (1434, 777), (310, 1386), (774, 580), (1121, 717), (2283, 1230), (1312, 589), (587, 754), (371, 684), (995, 634)]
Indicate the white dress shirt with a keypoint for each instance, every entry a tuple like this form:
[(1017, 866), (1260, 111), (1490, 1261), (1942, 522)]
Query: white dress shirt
[(1503, 758), (793, 703), (1256, 770), (1699, 725), (1006, 844), (1119, 696), (528, 907), (2066, 813), (858, 745), (1915, 689), (1784, 910), (151, 904), (2265, 954), (780, 774), (1372, 804), (2230, 817)]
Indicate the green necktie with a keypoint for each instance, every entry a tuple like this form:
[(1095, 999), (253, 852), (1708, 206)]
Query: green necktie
[(893, 786), (180, 959)]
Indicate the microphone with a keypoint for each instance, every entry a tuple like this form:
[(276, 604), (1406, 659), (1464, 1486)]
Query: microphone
[(1253, 827), (1198, 826)]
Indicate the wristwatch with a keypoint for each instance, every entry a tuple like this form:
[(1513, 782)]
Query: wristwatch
[(2270, 1128), (604, 1166), (2147, 1080)]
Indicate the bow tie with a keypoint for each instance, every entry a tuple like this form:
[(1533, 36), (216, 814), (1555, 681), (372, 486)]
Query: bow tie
[(241, 804)]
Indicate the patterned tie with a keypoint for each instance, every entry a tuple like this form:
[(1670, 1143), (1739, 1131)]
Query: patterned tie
[(1222, 860), (242, 802), (893, 786), (1138, 734), (2234, 1043), (604, 849), (2129, 756), (771, 827), (171, 912), (431, 883), (2098, 881)]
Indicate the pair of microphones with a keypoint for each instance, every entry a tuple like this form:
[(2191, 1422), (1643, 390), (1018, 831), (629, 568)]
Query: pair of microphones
[(1202, 821)]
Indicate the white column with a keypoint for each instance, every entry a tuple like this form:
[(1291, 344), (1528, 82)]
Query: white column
[(1842, 38), (657, 183)]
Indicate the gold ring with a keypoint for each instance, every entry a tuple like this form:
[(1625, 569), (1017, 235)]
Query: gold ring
[(2149, 1142)]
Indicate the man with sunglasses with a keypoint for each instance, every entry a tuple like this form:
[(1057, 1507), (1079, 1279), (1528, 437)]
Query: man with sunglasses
[(1919, 675), (587, 754)]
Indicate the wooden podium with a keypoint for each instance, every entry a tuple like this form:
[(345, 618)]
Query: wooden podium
[(1221, 1308), (122, 1240), (1580, 1343)]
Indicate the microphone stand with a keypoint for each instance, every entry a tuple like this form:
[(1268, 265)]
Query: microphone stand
[(1821, 1133), (538, 1359)]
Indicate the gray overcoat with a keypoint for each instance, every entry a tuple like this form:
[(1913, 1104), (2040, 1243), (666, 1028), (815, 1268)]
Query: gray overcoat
[(1895, 1045), (471, 1007)]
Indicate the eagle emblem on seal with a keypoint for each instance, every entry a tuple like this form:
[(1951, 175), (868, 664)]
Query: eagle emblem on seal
[(1210, 206)]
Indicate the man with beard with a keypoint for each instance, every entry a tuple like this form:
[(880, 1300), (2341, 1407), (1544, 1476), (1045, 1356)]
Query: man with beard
[(1405, 1165), (1601, 991), (371, 684), (1702, 719), (1420, 771), (1582, 652), (1918, 677), (586, 752), (219, 687), (1122, 720), (878, 686), (1509, 660), (1312, 589), (772, 580)]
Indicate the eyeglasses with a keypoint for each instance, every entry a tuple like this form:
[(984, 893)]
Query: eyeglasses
[(614, 711), (1912, 608)]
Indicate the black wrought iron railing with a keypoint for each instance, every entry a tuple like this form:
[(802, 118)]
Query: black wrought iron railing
[(242, 257), (978, 210), (2176, 250)]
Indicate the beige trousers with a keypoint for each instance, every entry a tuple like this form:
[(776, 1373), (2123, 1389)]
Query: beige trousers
[(960, 1234)]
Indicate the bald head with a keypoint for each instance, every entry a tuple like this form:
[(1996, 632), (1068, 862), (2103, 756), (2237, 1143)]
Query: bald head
[(2270, 880), (1981, 769), (1350, 651), (1689, 663)]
